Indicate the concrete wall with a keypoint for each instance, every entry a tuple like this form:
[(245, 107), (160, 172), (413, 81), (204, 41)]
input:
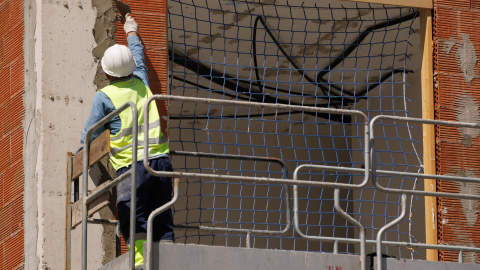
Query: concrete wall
[(60, 70), (172, 256)]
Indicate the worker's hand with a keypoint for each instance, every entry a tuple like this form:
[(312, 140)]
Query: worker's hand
[(130, 24)]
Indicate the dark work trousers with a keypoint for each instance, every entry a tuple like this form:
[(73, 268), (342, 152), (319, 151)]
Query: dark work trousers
[(152, 192)]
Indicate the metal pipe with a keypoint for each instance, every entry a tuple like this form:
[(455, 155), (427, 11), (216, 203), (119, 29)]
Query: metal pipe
[(374, 242), (240, 157), (103, 221), (335, 247), (86, 151), (264, 180), (257, 104), (278, 107), (394, 173), (68, 205), (133, 191), (423, 176), (423, 121), (247, 240), (363, 254), (460, 256), (110, 185), (158, 211), (427, 193), (333, 168), (386, 227)]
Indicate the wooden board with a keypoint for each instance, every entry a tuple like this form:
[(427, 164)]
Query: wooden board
[(428, 131), (404, 3), (93, 207), (99, 148)]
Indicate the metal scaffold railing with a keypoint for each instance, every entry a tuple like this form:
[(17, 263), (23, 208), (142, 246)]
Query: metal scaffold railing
[(247, 232), (284, 180), (369, 171), (404, 192), (131, 173)]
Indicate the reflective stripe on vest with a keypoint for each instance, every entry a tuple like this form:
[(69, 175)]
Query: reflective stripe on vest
[(128, 131), (157, 140), (136, 91)]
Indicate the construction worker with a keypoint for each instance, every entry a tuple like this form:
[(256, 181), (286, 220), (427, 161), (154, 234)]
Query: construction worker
[(126, 70)]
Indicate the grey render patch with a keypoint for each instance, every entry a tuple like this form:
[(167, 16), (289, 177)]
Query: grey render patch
[(466, 110), (467, 58)]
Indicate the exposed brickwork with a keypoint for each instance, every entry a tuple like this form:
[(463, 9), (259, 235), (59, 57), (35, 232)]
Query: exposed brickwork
[(151, 17), (457, 91), (152, 20), (11, 134)]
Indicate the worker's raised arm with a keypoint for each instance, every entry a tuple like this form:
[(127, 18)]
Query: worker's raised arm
[(135, 45)]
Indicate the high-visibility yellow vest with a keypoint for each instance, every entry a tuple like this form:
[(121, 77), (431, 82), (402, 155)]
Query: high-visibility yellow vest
[(121, 143)]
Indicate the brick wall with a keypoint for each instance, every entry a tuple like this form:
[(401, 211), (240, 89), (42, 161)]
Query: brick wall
[(152, 20), (11, 134), (457, 96)]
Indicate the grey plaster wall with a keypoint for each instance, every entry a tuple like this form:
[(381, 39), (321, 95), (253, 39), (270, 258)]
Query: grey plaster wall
[(59, 89)]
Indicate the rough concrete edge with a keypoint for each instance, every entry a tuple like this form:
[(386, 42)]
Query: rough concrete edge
[(30, 146), (104, 36)]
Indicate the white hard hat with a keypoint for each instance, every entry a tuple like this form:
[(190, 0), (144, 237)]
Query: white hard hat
[(118, 61)]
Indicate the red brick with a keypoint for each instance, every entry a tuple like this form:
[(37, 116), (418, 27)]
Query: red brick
[(16, 12), (13, 114), (16, 143), (4, 17), (148, 14), (450, 22), (2, 64), (5, 221), (13, 182), (5, 154), (14, 251), (17, 220), (5, 83), (475, 4), (454, 3), (13, 44), (1, 190), (16, 81)]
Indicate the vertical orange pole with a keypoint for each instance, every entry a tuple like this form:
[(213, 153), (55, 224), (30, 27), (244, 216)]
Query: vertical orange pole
[(426, 27)]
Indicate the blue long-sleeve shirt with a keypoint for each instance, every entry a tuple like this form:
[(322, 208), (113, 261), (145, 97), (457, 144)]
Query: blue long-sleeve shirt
[(102, 105)]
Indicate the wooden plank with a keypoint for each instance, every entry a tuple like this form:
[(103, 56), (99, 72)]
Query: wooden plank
[(428, 131), (428, 4), (99, 148), (93, 207)]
